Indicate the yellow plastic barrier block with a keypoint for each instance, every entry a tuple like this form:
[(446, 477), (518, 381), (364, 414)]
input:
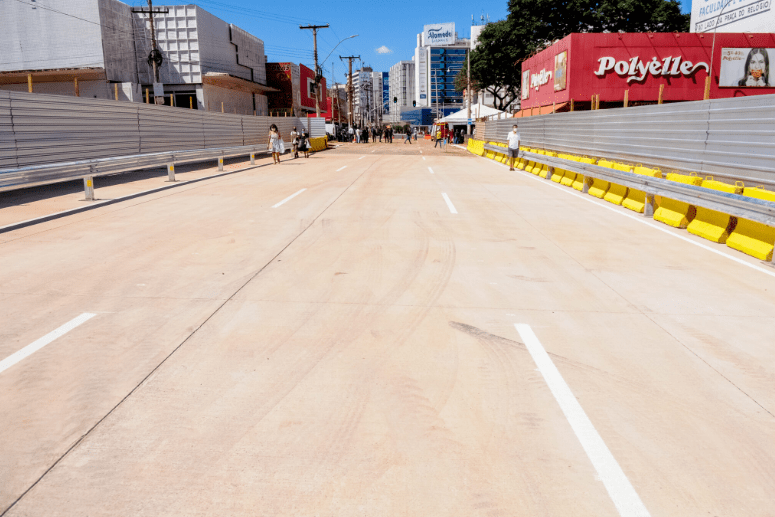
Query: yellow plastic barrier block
[(636, 199), (616, 194), (759, 193), (692, 179), (529, 167), (568, 178), (599, 188), (752, 238), (710, 224), (558, 175), (674, 213), (710, 183)]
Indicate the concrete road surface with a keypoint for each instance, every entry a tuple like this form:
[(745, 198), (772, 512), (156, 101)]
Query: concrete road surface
[(381, 330)]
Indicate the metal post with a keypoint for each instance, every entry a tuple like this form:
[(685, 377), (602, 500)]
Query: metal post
[(29, 83), (648, 210), (252, 158), (88, 187), (661, 91), (549, 172), (626, 98), (75, 86), (170, 171), (220, 163), (115, 88), (585, 188)]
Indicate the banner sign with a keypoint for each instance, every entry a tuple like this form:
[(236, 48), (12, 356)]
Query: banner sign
[(439, 34), (747, 68), (732, 16), (637, 69)]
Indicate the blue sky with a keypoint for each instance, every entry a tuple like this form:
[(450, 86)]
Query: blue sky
[(393, 25)]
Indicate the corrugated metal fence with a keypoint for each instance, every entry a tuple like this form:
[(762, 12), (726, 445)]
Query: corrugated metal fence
[(727, 138), (38, 129)]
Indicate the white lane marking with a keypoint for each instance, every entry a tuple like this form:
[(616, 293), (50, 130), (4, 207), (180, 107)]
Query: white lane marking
[(449, 203), (423, 158), (421, 152), (289, 198), (641, 219), (374, 151), (341, 168), (429, 167), (611, 474), (459, 147), (362, 157), (45, 340)]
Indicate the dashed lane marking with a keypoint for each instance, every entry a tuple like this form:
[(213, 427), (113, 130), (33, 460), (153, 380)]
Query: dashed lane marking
[(289, 198), (449, 203), (45, 340)]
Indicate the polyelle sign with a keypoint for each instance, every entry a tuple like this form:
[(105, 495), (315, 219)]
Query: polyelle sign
[(674, 66), (636, 70)]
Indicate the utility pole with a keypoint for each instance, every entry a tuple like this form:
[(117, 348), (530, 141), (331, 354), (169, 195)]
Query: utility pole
[(350, 88), (468, 88), (318, 75), (155, 57)]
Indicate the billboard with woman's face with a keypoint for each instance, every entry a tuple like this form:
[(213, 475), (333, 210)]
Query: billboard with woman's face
[(746, 68)]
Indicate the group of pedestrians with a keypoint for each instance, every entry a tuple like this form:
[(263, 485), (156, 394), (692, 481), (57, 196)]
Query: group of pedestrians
[(362, 135), (299, 141)]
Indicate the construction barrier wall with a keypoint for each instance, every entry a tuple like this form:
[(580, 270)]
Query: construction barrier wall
[(730, 139), (37, 129)]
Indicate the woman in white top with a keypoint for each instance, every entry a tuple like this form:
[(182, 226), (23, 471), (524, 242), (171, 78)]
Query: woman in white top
[(274, 142), (295, 141)]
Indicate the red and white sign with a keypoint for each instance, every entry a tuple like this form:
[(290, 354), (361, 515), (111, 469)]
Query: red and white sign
[(610, 64)]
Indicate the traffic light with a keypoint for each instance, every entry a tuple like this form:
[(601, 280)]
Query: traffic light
[(395, 100), (414, 104)]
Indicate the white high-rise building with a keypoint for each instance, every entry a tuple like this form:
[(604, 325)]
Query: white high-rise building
[(401, 88), (439, 57), (366, 100)]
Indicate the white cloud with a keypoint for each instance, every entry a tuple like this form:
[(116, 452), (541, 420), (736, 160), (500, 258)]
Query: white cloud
[(384, 50)]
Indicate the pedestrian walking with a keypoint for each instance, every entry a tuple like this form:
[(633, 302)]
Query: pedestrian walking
[(438, 138), (295, 142), (304, 143), (275, 143), (513, 146), (357, 136), (365, 136), (414, 134), (379, 133), (408, 137), (350, 133)]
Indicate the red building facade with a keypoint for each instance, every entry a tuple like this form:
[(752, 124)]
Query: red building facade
[(608, 65)]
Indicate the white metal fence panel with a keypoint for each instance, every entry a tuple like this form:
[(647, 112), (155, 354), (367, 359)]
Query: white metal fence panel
[(727, 138), (48, 130), (164, 129), (7, 140)]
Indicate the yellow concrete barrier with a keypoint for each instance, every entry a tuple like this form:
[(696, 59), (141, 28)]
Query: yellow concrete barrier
[(677, 213), (544, 171), (750, 237), (599, 187), (710, 224), (578, 181), (318, 144), (617, 193), (636, 199)]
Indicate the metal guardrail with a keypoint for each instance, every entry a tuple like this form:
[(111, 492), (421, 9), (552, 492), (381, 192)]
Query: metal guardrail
[(730, 139), (733, 204), (11, 179)]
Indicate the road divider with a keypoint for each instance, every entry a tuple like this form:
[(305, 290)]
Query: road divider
[(713, 216), (288, 198), (449, 203), (45, 340)]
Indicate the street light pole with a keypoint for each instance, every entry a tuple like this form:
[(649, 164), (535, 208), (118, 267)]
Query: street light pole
[(468, 91)]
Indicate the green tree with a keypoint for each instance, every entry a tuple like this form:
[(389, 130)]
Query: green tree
[(533, 25)]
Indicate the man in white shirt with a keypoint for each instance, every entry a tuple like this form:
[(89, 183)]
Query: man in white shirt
[(513, 146)]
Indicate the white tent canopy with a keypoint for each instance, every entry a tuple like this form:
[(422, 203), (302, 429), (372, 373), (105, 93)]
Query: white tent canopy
[(461, 117)]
